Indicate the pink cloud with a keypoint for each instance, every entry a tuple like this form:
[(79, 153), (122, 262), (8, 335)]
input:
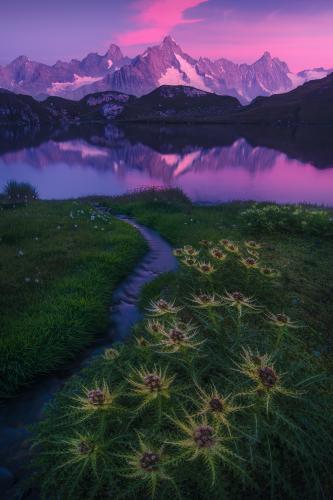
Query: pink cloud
[(301, 41), (155, 19)]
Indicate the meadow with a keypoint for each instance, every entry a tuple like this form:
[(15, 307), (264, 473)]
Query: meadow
[(59, 265), (224, 390)]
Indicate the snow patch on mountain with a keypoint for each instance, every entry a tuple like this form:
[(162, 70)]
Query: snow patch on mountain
[(79, 81), (194, 79), (172, 76), (314, 74), (296, 80)]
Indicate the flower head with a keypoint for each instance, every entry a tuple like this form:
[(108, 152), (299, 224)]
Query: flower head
[(249, 262), (179, 336), (231, 247), (269, 272), (205, 268), (151, 384), (212, 403), (225, 242), (190, 251), (162, 307), (252, 245), (217, 254), (202, 440), (281, 320), (146, 464), (111, 354), (189, 261), (261, 371), (154, 327), (205, 300), (238, 300), (205, 243), (178, 252), (97, 398), (141, 341)]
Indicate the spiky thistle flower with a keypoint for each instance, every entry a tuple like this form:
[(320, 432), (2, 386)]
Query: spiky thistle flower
[(249, 262), (217, 254), (180, 336), (141, 341), (178, 252), (151, 384), (269, 272), (205, 243), (190, 251), (162, 307), (202, 440), (147, 464), (212, 403), (189, 261), (205, 268), (231, 247), (111, 354), (154, 327), (252, 245), (225, 242), (96, 399), (260, 369), (281, 320), (205, 300), (239, 301), (80, 451)]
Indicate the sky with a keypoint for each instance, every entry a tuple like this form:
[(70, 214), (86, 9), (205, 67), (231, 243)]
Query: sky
[(299, 32)]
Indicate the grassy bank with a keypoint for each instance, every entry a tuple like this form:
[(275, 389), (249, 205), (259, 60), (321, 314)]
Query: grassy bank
[(225, 390), (59, 264)]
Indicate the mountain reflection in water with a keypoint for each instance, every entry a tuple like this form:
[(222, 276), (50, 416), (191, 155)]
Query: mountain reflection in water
[(210, 163)]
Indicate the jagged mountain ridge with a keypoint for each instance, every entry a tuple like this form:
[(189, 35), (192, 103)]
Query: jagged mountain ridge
[(164, 64), (39, 80)]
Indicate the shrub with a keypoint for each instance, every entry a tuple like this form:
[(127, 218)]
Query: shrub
[(20, 191), (299, 219)]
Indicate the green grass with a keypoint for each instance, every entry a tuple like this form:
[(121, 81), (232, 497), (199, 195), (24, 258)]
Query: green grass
[(59, 264), (266, 441)]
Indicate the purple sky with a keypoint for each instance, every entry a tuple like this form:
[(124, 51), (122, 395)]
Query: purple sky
[(297, 31)]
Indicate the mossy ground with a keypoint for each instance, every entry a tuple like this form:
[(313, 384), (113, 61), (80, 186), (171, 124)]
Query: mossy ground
[(59, 264), (273, 435)]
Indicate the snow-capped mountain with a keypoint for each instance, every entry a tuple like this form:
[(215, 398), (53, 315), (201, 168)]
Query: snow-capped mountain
[(30, 77), (164, 64), (167, 64)]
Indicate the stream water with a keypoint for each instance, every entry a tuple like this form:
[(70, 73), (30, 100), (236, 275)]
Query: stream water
[(27, 408)]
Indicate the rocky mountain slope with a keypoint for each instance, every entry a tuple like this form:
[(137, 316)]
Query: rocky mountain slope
[(164, 64), (311, 103)]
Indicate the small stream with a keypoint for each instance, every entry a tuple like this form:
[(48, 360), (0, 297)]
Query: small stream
[(27, 407)]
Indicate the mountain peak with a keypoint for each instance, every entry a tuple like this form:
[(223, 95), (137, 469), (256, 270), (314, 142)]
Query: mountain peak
[(20, 60), (266, 56), (170, 42), (114, 52)]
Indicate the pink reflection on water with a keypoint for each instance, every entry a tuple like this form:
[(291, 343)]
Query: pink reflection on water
[(238, 172), (288, 181)]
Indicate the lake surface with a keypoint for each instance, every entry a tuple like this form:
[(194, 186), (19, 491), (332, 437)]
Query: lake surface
[(209, 163)]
